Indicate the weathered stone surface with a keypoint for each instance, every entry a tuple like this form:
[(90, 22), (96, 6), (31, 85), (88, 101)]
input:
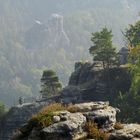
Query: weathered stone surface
[(70, 126), (69, 129), (56, 119), (129, 132), (105, 118), (91, 83), (100, 112), (17, 135), (85, 107), (15, 118), (123, 55), (34, 135), (71, 94), (81, 74)]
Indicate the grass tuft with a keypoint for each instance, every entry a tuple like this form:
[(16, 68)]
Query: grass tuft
[(94, 132), (71, 108), (44, 117), (118, 126)]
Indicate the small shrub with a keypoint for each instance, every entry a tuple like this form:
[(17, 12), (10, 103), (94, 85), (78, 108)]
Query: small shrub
[(52, 108), (44, 117), (94, 132), (71, 108), (118, 126), (41, 120)]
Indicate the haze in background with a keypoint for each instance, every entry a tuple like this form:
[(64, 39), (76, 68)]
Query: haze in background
[(51, 34)]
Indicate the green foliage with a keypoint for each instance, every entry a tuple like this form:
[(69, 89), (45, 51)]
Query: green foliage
[(102, 49), (50, 84), (2, 109), (41, 120), (44, 117), (132, 34), (129, 102), (129, 106)]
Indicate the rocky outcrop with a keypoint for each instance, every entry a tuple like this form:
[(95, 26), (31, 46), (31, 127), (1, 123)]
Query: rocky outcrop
[(71, 126), (123, 55), (15, 118), (129, 132), (90, 82)]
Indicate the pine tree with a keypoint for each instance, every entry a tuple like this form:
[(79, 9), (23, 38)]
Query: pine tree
[(102, 49), (50, 84)]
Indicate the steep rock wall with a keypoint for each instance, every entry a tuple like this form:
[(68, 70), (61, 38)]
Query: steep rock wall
[(91, 82)]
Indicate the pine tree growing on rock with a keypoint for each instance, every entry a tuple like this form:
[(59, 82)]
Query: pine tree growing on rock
[(50, 84), (102, 49), (104, 52)]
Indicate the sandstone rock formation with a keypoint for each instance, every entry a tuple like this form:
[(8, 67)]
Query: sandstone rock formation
[(67, 125), (123, 55), (129, 132), (70, 126), (15, 118), (87, 83), (90, 82)]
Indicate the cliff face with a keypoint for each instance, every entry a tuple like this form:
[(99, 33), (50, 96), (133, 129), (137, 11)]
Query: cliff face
[(92, 82), (89, 82), (15, 118)]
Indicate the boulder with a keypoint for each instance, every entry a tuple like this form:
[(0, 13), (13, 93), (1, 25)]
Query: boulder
[(70, 129), (105, 118), (91, 106), (129, 132), (99, 112), (56, 119)]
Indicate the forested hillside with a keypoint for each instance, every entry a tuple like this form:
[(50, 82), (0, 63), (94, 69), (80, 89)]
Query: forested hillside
[(47, 34)]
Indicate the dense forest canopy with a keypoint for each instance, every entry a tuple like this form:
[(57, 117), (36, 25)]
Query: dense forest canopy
[(31, 40)]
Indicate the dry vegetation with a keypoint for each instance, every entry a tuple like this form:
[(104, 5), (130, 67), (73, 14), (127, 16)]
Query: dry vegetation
[(71, 108), (118, 126), (94, 132), (52, 108), (44, 117)]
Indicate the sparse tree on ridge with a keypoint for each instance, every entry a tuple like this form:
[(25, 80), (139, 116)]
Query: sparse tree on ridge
[(102, 49), (50, 84)]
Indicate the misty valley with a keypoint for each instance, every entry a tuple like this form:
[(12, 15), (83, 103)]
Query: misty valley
[(69, 70)]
